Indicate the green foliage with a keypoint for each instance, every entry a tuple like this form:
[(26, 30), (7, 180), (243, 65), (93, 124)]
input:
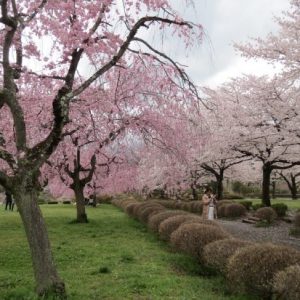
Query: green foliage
[(139, 265), (244, 189), (262, 224), (256, 206), (53, 202), (280, 209), (247, 204), (232, 196)]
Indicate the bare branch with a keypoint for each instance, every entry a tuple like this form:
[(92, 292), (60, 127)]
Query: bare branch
[(8, 158), (123, 49)]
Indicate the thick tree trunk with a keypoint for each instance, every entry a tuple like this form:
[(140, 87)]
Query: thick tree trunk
[(80, 204), (46, 276), (194, 192), (293, 188), (220, 188), (267, 170)]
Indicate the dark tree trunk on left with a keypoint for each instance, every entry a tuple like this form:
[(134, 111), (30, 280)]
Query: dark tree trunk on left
[(47, 279)]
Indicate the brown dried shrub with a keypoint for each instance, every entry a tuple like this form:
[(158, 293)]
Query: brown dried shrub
[(267, 214), (196, 207), (222, 202), (191, 238), (252, 269), (221, 209), (234, 210), (131, 207), (169, 225), (286, 283), (144, 213), (104, 199), (137, 211), (184, 206), (167, 203), (217, 254), (121, 203), (125, 203), (157, 219)]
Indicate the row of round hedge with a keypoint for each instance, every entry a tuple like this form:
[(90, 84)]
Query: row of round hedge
[(264, 270)]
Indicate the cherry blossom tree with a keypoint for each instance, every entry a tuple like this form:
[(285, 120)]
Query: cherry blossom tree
[(261, 114), (282, 48), (41, 82)]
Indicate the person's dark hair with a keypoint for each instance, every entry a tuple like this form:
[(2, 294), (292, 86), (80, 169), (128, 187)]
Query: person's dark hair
[(207, 189)]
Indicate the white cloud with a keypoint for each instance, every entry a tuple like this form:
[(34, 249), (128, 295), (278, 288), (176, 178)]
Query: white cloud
[(226, 22)]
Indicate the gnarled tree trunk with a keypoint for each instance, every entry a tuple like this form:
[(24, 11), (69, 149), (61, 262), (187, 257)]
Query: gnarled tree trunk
[(220, 188), (80, 203), (47, 279), (267, 170)]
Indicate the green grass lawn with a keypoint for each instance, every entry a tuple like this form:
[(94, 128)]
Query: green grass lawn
[(112, 257), (292, 204)]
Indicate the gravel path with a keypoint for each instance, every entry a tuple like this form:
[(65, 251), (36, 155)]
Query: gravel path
[(277, 234)]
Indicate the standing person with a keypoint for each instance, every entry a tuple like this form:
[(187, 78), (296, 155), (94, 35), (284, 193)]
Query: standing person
[(209, 203), (12, 203), (8, 201)]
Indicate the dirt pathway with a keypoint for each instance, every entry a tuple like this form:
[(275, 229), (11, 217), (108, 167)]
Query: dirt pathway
[(277, 234)]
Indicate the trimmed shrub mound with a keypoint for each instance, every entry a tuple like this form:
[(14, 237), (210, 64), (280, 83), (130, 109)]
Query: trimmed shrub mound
[(222, 202), (169, 225), (217, 254), (267, 214), (286, 285), (297, 220), (234, 210), (185, 206), (131, 207), (122, 203), (144, 214), (221, 209), (196, 207), (167, 203), (280, 209), (252, 269), (137, 210), (193, 237), (104, 199), (247, 204), (155, 220)]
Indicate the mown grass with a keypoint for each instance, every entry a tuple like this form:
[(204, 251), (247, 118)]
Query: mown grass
[(111, 257), (292, 204)]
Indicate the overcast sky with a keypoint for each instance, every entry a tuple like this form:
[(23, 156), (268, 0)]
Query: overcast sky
[(225, 22)]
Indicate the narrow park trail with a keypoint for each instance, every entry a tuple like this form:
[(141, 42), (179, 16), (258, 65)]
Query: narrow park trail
[(278, 233)]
